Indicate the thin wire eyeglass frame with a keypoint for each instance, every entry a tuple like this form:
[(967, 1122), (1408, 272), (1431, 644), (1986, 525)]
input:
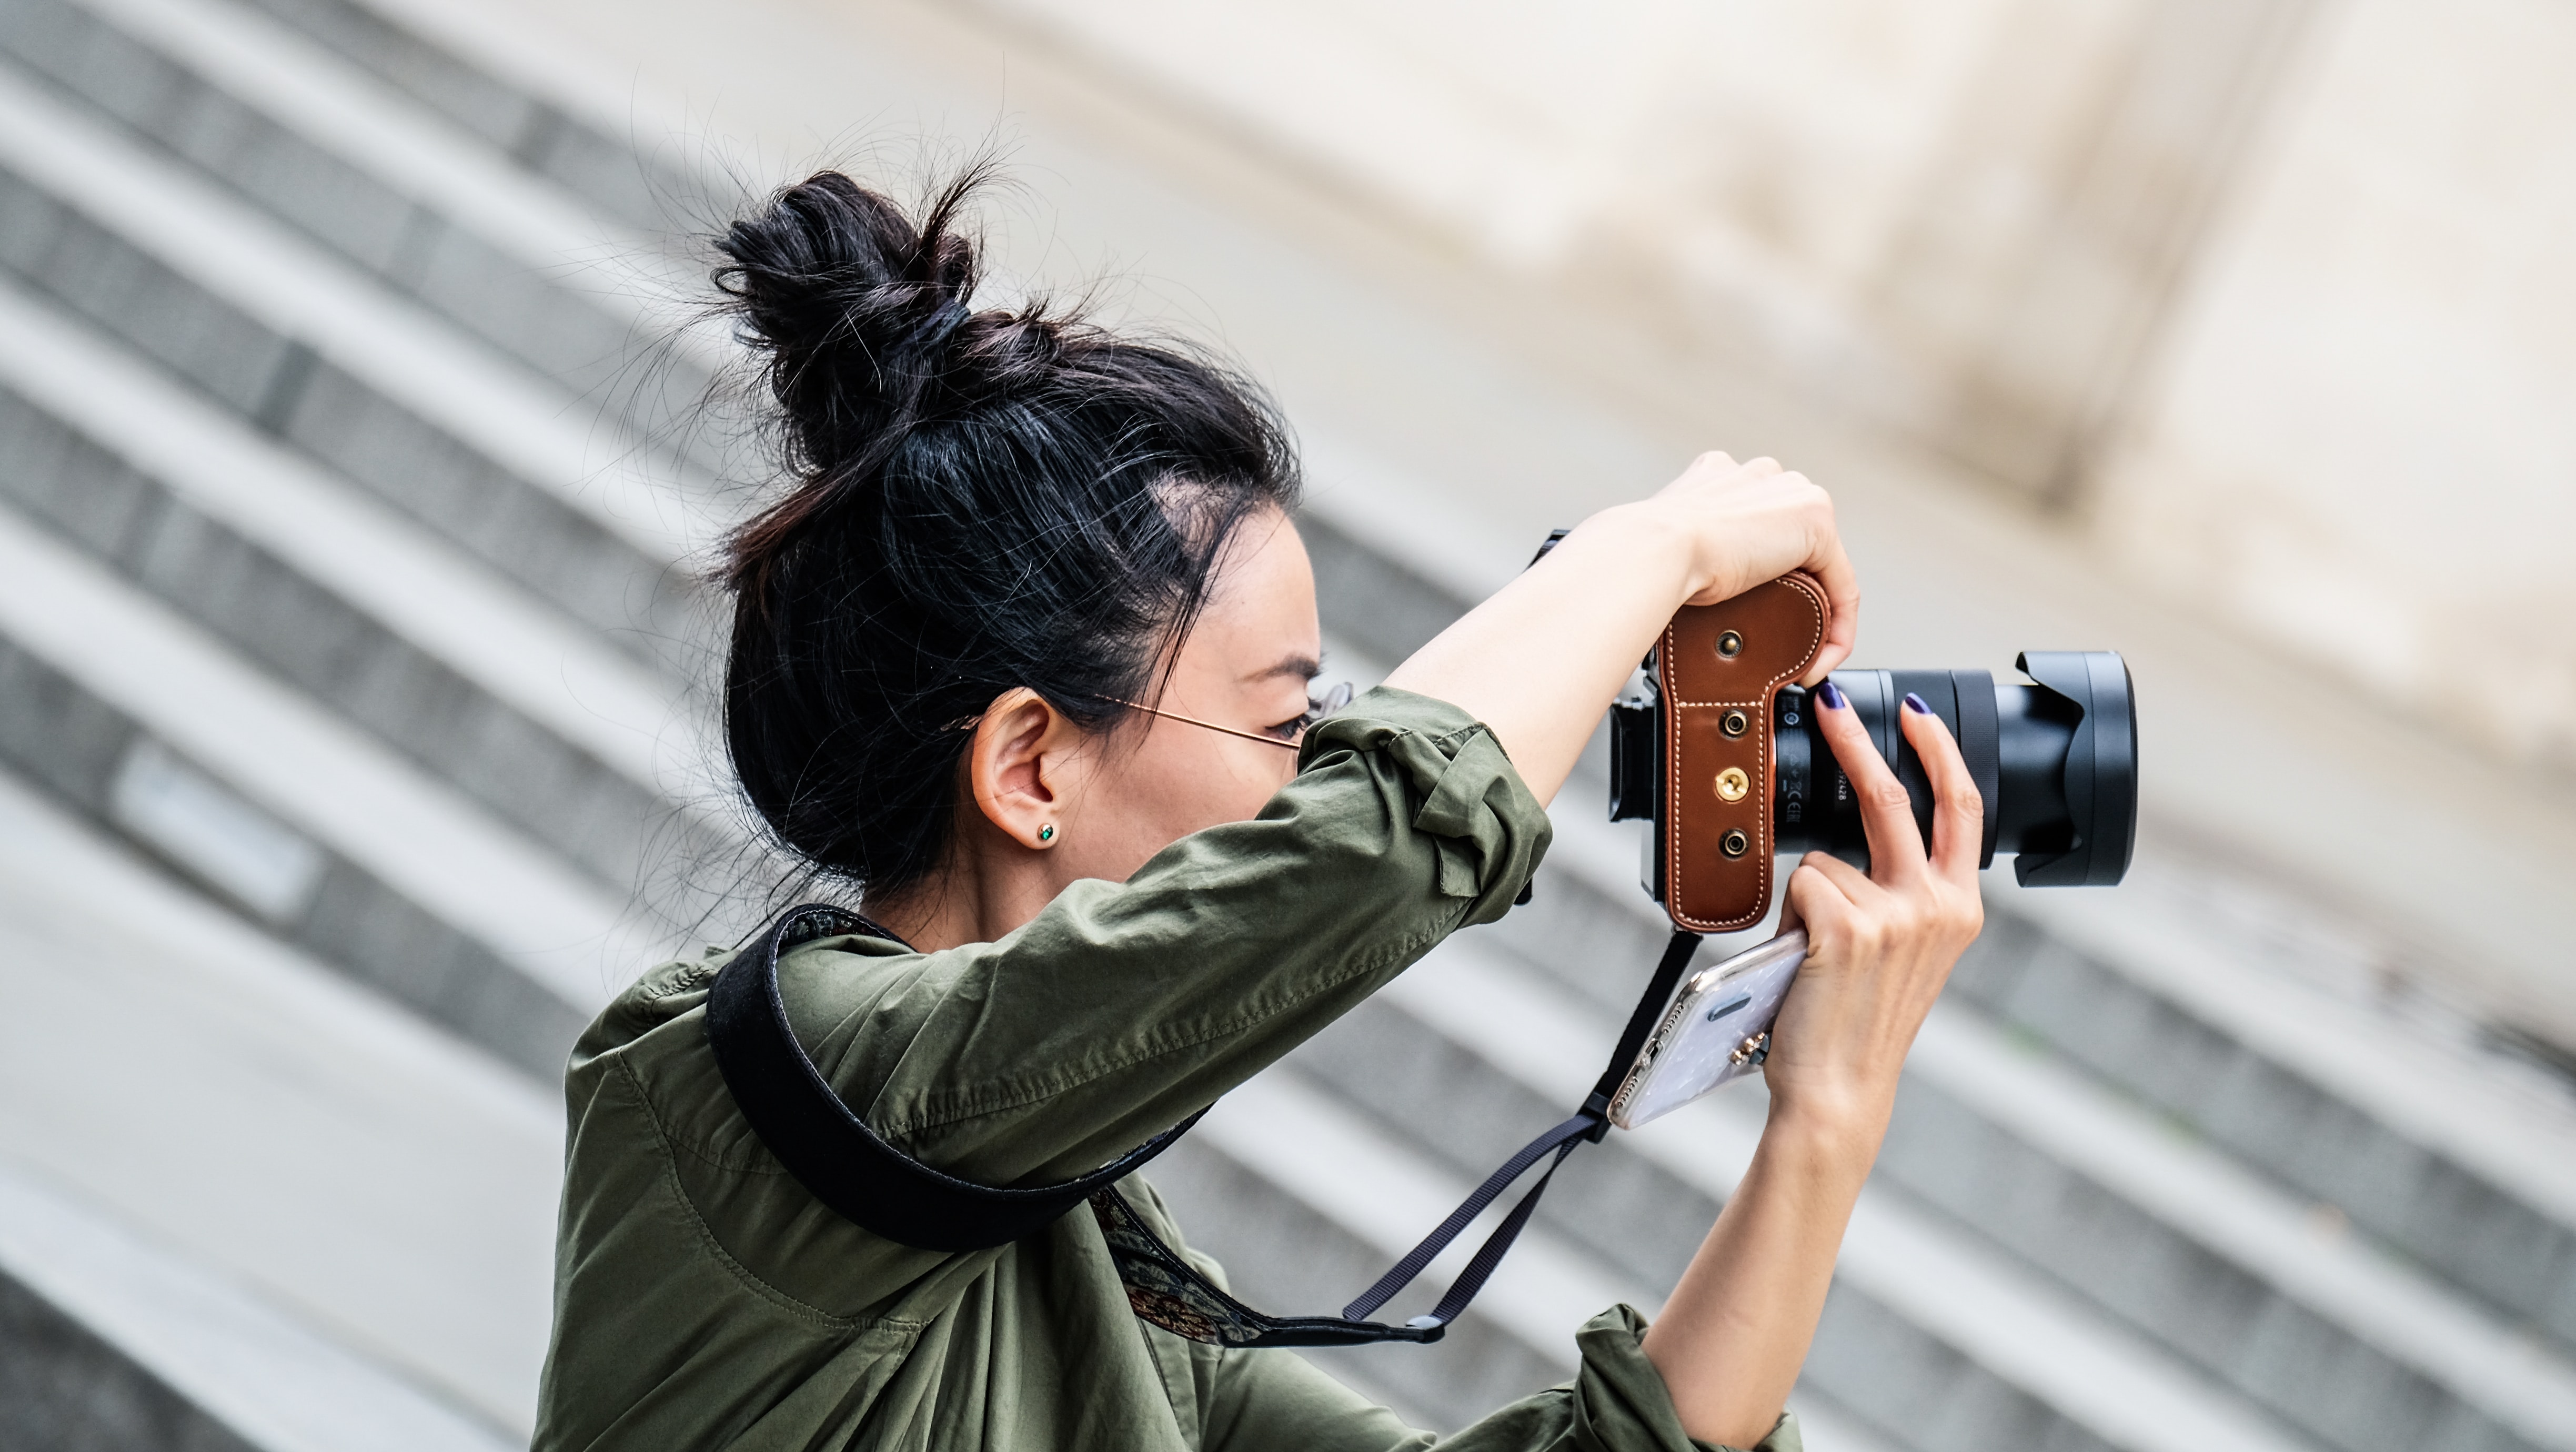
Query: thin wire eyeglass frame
[(1334, 700)]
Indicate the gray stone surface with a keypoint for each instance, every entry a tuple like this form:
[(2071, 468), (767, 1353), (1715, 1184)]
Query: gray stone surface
[(534, 536), (421, 705), (310, 1213), (63, 1388), (58, 736), (2425, 1204), (602, 167), (216, 347), (526, 309)]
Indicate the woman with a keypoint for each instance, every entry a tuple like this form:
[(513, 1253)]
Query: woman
[(1024, 655)]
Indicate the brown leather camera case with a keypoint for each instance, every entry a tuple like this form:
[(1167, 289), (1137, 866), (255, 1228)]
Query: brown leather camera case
[(1719, 666)]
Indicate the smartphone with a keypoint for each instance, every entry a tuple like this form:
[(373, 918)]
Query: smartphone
[(1718, 1030)]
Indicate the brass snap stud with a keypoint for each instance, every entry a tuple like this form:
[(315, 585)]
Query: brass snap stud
[(1730, 644), (1732, 784), (1734, 843), (1733, 723)]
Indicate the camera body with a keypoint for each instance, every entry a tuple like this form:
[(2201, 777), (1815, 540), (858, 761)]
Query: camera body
[(1715, 744)]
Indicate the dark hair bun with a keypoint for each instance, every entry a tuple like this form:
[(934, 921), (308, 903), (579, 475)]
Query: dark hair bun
[(975, 501), (850, 308)]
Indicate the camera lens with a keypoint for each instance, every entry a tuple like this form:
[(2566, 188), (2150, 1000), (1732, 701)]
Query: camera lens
[(2056, 762)]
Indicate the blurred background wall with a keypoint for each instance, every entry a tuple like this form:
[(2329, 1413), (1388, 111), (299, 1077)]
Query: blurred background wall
[(354, 736), (2263, 296)]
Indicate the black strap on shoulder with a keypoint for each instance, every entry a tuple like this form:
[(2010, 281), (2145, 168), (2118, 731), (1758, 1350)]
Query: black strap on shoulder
[(848, 1166), (831, 1150)]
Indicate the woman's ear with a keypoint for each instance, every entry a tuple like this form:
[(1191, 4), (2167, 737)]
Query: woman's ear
[(1019, 766)]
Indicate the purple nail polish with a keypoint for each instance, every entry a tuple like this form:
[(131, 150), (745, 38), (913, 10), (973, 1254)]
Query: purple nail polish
[(1832, 696), (1916, 704)]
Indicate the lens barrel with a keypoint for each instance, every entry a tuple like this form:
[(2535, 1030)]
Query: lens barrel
[(2056, 762)]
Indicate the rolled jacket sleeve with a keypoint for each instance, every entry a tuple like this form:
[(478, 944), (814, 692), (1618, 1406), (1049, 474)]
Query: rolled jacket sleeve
[(1123, 1008), (1617, 1402), (1475, 811)]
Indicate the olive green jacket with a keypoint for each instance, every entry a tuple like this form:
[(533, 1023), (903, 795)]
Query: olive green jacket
[(704, 1300)]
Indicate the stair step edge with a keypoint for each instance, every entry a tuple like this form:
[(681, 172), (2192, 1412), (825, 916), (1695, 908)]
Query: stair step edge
[(1543, 1038), (318, 773), (396, 347), (485, 627), (323, 98)]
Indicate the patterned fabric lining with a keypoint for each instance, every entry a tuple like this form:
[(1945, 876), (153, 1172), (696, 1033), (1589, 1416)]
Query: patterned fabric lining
[(1167, 1291)]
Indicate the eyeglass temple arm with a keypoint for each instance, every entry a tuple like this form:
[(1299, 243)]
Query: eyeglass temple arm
[(1195, 721)]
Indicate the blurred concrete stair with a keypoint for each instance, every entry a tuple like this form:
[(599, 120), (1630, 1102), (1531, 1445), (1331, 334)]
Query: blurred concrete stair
[(346, 510), (243, 1201), (114, 1343), (282, 327), (458, 655)]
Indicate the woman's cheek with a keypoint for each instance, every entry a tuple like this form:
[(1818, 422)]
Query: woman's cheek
[(1264, 783)]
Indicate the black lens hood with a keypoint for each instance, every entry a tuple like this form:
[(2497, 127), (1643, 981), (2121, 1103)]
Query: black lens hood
[(2101, 768)]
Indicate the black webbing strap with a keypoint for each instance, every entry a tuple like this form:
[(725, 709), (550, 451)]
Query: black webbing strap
[(1586, 1126), (833, 1153), (831, 1150), (1641, 1022)]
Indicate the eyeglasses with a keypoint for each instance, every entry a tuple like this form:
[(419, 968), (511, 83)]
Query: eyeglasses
[(1316, 710)]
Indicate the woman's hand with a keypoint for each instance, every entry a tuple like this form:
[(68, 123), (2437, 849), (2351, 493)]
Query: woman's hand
[(1539, 662), (1747, 523), (1732, 1338), (1880, 945)]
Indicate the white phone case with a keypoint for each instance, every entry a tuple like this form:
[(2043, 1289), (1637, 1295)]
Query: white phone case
[(1718, 1029)]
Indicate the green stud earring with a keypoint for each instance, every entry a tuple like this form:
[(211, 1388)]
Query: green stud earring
[(1047, 832)]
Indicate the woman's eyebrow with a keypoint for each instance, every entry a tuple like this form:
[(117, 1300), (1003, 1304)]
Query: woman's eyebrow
[(1304, 667)]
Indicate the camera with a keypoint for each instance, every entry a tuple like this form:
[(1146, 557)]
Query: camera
[(2055, 759), (1714, 743)]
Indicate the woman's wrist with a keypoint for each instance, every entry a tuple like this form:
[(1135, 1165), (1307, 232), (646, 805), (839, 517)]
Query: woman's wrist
[(1653, 542), (1843, 1128)]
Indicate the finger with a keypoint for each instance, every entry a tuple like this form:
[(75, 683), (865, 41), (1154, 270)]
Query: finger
[(1958, 810), (1699, 472), (1762, 468), (1886, 811), (1815, 863), (1814, 900), (1833, 570), (1852, 884)]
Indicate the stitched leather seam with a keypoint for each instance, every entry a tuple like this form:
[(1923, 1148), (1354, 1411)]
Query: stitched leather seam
[(1712, 705), (1762, 828), (1673, 776)]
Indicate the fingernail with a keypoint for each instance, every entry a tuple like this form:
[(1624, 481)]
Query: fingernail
[(1832, 696), (1916, 704)]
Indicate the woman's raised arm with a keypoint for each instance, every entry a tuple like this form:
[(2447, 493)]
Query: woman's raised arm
[(1539, 662), (1731, 1338)]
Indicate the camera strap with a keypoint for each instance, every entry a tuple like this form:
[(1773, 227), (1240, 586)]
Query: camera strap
[(865, 1179)]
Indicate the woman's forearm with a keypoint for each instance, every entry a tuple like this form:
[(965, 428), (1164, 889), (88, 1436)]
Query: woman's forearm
[(1539, 662), (1732, 1337)]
